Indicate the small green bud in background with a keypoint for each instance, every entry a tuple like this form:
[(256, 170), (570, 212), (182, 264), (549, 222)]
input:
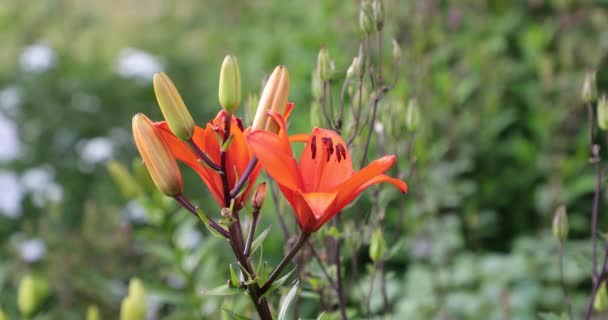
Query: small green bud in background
[(589, 90), (158, 158), (412, 115), (396, 51), (3, 315), (378, 10), (134, 305), (316, 85), (257, 200), (315, 114), (366, 17), (560, 224), (325, 65), (600, 303), (230, 84), (354, 70), (123, 179), (93, 313), (602, 112), (377, 247), (172, 106), (32, 293)]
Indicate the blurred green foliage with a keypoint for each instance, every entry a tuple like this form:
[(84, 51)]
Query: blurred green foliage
[(502, 142)]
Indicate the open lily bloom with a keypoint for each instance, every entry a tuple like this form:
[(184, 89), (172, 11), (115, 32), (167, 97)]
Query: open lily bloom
[(323, 182), (238, 154)]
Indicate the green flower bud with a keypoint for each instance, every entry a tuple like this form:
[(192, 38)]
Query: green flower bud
[(560, 224), (366, 17), (274, 98), (123, 179), (93, 313), (378, 10), (377, 246), (158, 158), (230, 84), (354, 70), (602, 113), (134, 305), (589, 90), (315, 114), (316, 85), (396, 51), (412, 116), (172, 106), (600, 304), (32, 293), (325, 65)]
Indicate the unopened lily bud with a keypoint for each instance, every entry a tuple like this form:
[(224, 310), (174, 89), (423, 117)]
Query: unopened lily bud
[(157, 157), (378, 9), (315, 114), (230, 84), (412, 115), (602, 113), (396, 51), (560, 224), (93, 313), (31, 295), (134, 305), (259, 195), (589, 90), (377, 246), (354, 70), (324, 65), (123, 179), (316, 85), (600, 303), (173, 108), (366, 17), (274, 98)]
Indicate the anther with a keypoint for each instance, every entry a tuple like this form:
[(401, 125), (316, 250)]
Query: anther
[(313, 146)]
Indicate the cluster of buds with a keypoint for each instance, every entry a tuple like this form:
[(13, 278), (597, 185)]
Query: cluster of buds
[(371, 16)]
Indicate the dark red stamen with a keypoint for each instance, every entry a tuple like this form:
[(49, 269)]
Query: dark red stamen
[(341, 150), (313, 146)]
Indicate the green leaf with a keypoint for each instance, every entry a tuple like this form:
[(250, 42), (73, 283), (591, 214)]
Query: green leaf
[(223, 290), (288, 300), (278, 283), (260, 239), (321, 316), (233, 278), (235, 316)]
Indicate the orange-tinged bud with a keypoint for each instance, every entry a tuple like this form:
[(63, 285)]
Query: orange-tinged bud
[(274, 98), (259, 195), (172, 106), (157, 157), (230, 84)]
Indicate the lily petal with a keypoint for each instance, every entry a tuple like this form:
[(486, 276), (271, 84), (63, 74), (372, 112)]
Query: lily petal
[(319, 202)]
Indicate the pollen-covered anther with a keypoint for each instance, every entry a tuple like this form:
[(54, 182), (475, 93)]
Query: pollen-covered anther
[(313, 146), (341, 151)]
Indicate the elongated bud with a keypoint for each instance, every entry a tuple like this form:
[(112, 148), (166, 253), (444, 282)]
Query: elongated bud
[(354, 70), (156, 155), (93, 313), (316, 85), (377, 246), (31, 295), (378, 9), (134, 305), (396, 51), (324, 65), (589, 90), (259, 195), (602, 112), (172, 106), (600, 303), (315, 114), (274, 98), (560, 224), (123, 179), (230, 84), (412, 115), (366, 17)]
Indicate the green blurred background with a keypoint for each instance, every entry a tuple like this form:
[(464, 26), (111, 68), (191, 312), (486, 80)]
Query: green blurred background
[(501, 145)]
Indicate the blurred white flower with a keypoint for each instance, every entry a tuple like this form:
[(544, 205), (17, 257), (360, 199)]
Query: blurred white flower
[(37, 58), (32, 250), (96, 150), (36, 179), (135, 211), (12, 194), (137, 64), (189, 238), (10, 99), (9, 137)]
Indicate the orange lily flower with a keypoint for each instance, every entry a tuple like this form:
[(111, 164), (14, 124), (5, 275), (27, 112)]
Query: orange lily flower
[(323, 183), (238, 155)]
